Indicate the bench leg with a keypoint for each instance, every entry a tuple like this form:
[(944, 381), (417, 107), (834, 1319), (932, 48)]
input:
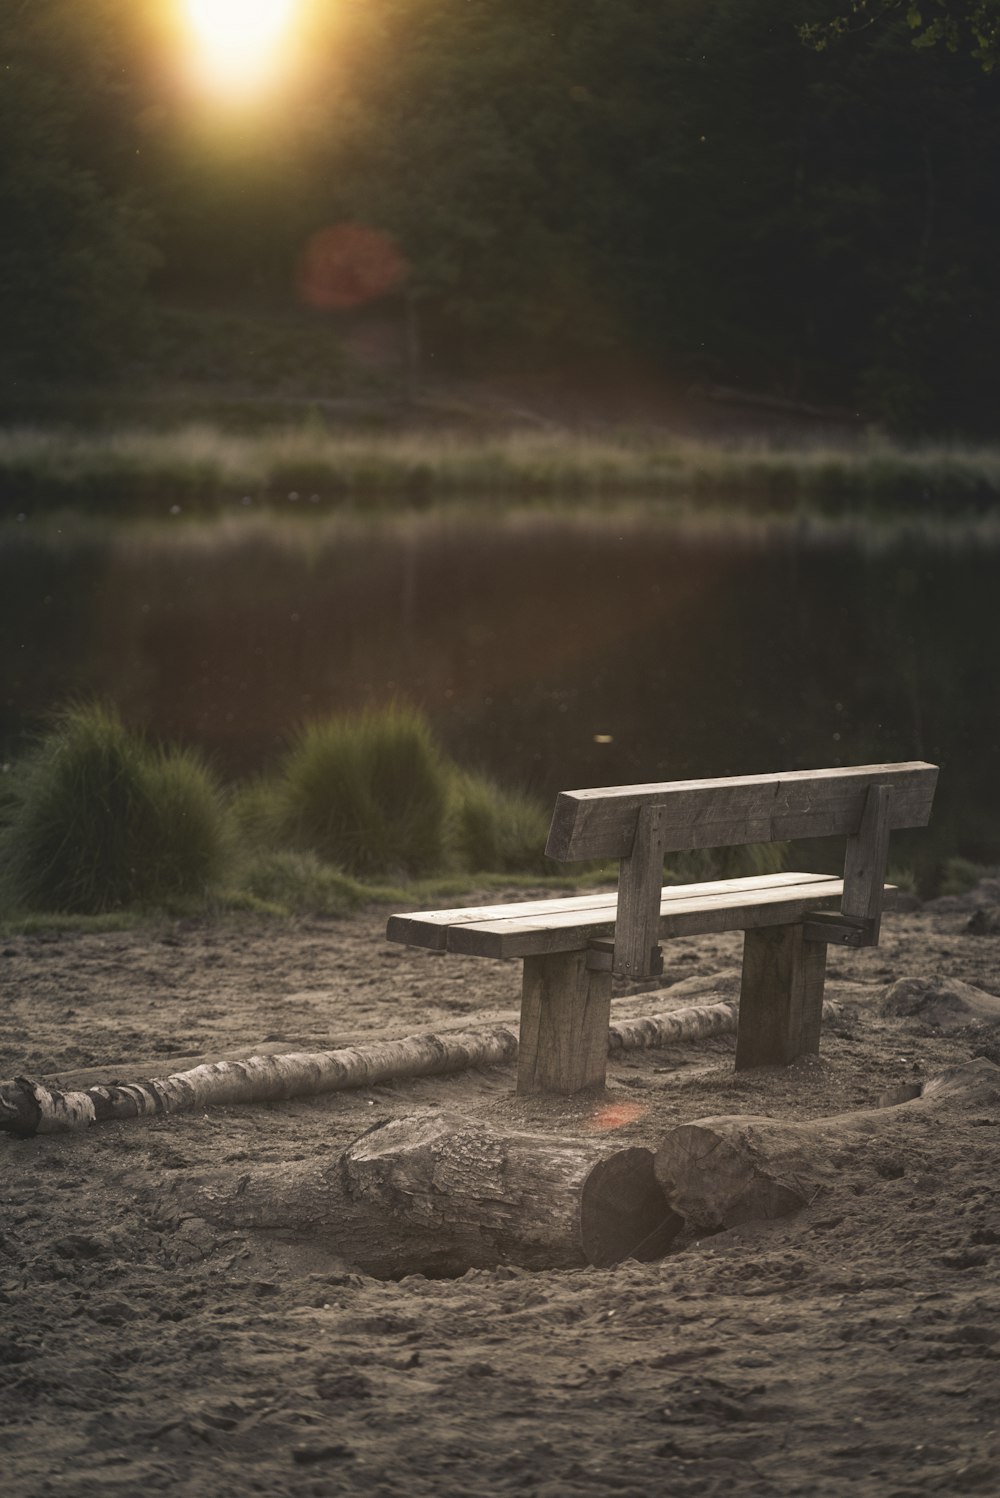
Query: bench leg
[(781, 997), (565, 1013)]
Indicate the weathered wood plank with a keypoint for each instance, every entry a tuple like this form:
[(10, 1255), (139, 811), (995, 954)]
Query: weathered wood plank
[(429, 928), (565, 1014), (601, 823), (781, 997), (437, 1194), (865, 864), (679, 916), (722, 1171), (640, 880)]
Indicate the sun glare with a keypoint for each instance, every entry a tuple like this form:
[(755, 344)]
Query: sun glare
[(238, 42)]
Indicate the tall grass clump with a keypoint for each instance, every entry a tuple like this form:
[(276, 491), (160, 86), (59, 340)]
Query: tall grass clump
[(744, 861), (368, 793), (257, 812), (497, 830), (300, 884), (104, 820), (962, 874)]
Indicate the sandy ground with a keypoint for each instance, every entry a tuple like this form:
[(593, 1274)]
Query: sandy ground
[(851, 1347)]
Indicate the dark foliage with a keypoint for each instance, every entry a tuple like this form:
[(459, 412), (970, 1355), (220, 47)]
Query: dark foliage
[(690, 182)]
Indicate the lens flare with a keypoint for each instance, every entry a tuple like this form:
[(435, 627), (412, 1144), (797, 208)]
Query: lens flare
[(348, 265), (236, 40), (615, 1116)]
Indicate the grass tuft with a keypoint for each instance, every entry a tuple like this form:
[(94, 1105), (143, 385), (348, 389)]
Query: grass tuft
[(743, 861), (368, 793), (495, 829), (301, 884), (962, 874), (103, 821)]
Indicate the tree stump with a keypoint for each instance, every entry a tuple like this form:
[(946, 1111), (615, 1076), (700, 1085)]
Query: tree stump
[(719, 1172)]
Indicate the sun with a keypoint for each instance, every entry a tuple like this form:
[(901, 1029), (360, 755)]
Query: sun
[(238, 43)]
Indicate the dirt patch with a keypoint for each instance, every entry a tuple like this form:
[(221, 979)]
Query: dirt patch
[(854, 1344)]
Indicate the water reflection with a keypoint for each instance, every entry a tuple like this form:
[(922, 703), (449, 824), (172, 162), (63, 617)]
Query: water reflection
[(549, 651)]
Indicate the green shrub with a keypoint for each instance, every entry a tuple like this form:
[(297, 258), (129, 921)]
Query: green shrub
[(741, 862), (301, 884), (368, 793), (961, 874), (497, 830), (11, 790), (903, 878), (256, 810), (103, 820), (183, 838)]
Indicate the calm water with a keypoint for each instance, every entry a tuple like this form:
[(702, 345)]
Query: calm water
[(554, 653)]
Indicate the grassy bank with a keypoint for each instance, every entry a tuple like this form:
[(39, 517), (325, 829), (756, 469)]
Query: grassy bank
[(202, 468), (99, 822), (100, 825)]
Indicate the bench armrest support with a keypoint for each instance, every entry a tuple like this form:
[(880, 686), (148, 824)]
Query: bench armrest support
[(865, 865), (640, 881)]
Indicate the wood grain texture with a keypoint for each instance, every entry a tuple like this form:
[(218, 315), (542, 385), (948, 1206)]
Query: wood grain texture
[(439, 1194), (722, 1171), (640, 881), (687, 913), (434, 928), (429, 928), (601, 823), (781, 997), (565, 1013), (865, 864)]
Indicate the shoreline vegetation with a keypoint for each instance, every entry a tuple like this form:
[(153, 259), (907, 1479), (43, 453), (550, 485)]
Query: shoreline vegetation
[(101, 828), (202, 469)]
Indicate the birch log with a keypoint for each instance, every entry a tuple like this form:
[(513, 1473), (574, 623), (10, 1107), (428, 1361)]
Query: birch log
[(28, 1108), (438, 1195), (719, 1172)]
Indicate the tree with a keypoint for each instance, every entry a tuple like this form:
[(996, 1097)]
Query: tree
[(75, 248), (971, 26)]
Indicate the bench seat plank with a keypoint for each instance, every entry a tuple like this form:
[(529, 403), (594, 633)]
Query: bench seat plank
[(539, 926), (689, 916), (429, 928)]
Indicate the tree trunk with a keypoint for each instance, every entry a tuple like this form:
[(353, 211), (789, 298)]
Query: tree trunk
[(437, 1195), (718, 1172), (28, 1108)]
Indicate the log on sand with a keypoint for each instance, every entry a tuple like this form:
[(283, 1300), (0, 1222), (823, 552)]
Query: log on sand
[(28, 1107), (438, 1195), (943, 1003), (719, 1172)]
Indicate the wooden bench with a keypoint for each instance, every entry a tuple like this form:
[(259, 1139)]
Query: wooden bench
[(573, 947)]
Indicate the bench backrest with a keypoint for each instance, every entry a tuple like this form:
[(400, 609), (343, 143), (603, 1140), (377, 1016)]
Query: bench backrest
[(639, 824)]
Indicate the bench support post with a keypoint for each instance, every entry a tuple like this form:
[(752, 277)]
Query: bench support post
[(640, 881), (565, 1013), (781, 996), (865, 864)]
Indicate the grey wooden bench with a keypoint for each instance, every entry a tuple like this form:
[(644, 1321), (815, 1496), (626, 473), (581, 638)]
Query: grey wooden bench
[(573, 947)]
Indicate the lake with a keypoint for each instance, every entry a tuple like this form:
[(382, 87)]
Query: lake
[(550, 650)]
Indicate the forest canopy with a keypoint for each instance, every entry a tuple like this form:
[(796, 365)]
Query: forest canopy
[(694, 185)]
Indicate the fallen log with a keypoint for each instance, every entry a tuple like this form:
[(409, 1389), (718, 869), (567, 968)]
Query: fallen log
[(28, 1107), (719, 1172), (943, 1003), (674, 1026), (437, 1195)]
